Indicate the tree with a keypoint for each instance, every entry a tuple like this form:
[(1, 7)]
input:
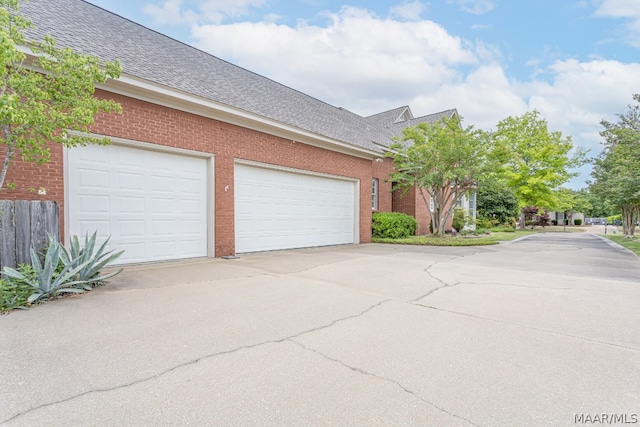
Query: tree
[(534, 218), (442, 160), (535, 161), (496, 202), (616, 169), (49, 98)]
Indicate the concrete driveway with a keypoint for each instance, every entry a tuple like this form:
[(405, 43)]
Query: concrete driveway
[(543, 331)]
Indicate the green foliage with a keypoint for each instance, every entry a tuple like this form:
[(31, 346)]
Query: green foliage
[(577, 221), (46, 282), (615, 170), (503, 229), (535, 161), (600, 208), (84, 255), (56, 274), (483, 222), (459, 219), (37, 107), (14, 294), (496, 202), (393, 225), (443, 161)]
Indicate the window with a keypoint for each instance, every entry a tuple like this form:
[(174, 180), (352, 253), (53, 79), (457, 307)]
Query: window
[(432, 205), (374, 194), (472, 204)]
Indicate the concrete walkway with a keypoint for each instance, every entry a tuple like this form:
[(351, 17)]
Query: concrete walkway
[(542, 331)]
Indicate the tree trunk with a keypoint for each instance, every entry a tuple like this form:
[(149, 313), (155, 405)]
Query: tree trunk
[(628, 220), (7, 158)]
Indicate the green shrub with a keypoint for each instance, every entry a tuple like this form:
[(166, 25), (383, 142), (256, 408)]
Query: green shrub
[(61, 271), (86, 255), (482, 222), (577, 221), (15, 293), (554, 221), (393, 225), (459, 220), (503, 229)]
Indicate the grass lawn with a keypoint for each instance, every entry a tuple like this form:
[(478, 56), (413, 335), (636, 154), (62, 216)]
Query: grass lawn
[(631, 244), (491, 239)]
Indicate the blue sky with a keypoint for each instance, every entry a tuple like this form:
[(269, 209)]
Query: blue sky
[(576, 61)]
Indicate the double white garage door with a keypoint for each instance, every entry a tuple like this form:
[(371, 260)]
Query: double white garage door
[(277, 209), (155, 205)]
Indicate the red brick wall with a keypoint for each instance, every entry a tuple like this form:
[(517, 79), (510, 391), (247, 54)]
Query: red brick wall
[(30, 177), (412, 203), (147, 122)]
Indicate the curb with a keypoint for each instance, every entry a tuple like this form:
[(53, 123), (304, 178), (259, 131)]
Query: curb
[(615, 245)]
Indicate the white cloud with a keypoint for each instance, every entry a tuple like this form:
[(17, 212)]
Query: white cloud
[(357, 56), (475, 7), (170, 12), (618, 8), (201, 11), (583, 93), (623, 9), (410, 11)]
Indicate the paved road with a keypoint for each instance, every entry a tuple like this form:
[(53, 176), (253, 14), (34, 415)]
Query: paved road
[(536, 332)]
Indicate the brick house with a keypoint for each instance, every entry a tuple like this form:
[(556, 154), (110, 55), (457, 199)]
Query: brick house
[(207, 158)]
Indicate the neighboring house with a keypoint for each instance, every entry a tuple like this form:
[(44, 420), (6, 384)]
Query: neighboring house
[(207, 158), (569, 219)]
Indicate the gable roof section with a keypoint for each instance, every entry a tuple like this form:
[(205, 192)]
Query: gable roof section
[(165, 62), (394, 125), (388, 118)]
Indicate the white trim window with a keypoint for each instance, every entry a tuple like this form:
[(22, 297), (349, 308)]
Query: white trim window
[(432, 204), (374, 194)]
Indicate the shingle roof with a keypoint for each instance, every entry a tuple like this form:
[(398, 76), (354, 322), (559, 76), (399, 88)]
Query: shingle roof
[(394, 123), (152, 56)]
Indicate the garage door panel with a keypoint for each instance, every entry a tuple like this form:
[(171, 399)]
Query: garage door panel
[(281, 210), (138, 199)]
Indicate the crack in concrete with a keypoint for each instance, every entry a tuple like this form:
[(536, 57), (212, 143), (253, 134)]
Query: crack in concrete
[(389, 380), (444, 284), (475, 316), (192, 362)]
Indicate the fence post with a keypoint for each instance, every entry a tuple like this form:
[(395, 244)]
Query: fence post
[(23, 224), (7, 234)]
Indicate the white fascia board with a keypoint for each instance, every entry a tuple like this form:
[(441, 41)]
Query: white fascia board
[(145, 90)]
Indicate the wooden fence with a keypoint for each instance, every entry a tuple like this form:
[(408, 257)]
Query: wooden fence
[(24, 223)]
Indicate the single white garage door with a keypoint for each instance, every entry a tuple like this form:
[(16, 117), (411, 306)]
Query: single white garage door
[(152, 204), (277, 209)]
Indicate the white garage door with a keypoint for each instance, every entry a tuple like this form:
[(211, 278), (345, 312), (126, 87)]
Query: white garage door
[(277, 209), (152, 204)]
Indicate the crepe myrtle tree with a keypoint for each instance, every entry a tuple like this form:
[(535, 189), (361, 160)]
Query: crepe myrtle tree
[(44, 98), (442, 160), (616, 169)]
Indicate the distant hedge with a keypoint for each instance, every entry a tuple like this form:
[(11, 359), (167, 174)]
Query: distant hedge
[(577, 221), (393, 225)]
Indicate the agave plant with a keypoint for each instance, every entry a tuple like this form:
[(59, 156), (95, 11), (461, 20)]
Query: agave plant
[(45, 281), (84, 255)]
